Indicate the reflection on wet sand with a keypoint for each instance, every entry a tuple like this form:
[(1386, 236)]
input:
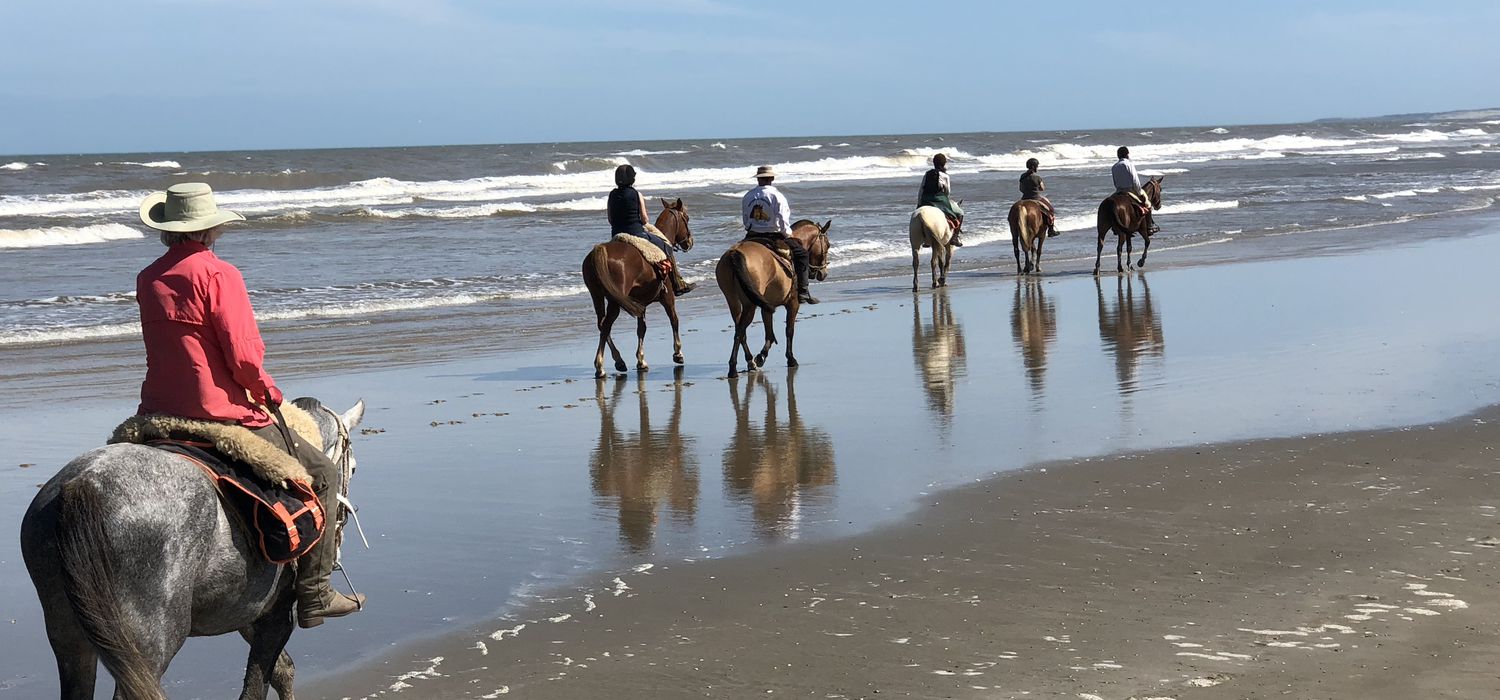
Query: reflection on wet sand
[(938, 349), (1033, 324), (643, 471), (776, 465), (1130, 329)]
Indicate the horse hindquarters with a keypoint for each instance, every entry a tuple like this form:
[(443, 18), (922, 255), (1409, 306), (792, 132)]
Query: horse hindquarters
[(85, 551)]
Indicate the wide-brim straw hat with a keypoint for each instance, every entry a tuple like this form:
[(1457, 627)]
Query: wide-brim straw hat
[(185, 208), (765, 171)]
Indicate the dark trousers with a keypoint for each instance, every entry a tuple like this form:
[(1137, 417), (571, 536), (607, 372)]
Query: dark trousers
[(314, 568)]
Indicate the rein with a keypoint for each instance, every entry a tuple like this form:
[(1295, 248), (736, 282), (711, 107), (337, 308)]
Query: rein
[(346, 472), (680, 216)]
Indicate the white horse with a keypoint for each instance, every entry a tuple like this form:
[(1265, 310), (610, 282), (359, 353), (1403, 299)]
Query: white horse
[(929, 227)]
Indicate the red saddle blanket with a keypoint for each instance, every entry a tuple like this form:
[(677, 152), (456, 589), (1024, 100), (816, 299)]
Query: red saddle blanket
[(284, 522)]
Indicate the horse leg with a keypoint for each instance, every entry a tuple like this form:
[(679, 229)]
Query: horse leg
[(932, 262), (1119, 246), (1015, 244), (605, 324), (943, 266), (267, 637), (640, 343), (1099, 250), (1145, 248), (1037, 258), (741, 326), (1129, 251), (77, 662), (791, 329), (670, 304), (916, 263), (767, 319)]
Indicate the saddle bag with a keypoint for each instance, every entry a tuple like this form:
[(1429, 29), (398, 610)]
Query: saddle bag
[(284, 522)]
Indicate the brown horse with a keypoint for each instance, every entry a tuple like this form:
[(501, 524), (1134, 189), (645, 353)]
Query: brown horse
[(619, 277), (1028, 229), (1120, 213), (751, 278)]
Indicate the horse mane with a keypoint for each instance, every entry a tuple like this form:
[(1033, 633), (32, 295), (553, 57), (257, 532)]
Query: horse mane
[(800, 222)]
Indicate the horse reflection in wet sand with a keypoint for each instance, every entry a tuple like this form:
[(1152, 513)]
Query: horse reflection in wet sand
[(776, 465), (645, 471), (1033, 324), (938, 349), (1130, 330)]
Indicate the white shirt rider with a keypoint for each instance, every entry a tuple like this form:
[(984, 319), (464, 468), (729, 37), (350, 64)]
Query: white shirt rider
[(773, 203)]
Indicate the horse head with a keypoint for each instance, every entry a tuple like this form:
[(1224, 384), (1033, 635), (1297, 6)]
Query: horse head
[(1153, 190), (815, 239), (673, 223), (335, 429)]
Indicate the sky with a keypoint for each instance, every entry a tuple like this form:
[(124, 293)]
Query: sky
[(86, 76)]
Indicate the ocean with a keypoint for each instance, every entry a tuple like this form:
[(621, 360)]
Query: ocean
[(463, 244)]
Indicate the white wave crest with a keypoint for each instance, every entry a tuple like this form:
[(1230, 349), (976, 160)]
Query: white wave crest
[(644, 152), (17, 165), (153, 164), (1218, 130), (65, 335), (585, 204), (66, 235), (808, 147), (587, 164)]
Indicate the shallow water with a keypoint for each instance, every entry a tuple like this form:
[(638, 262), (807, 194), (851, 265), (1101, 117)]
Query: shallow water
[(473, 515)]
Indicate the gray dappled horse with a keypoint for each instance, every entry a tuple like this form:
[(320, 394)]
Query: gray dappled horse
[(132, 552)]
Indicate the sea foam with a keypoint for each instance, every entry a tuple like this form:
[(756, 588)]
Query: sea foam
[(66, 235)]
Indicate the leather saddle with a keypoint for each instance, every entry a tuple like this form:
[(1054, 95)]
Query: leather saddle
[(783, 251)]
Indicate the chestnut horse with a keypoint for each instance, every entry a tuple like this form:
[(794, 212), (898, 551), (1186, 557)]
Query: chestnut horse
[(1120, 213), (1028, 229), (751, 278), (619, 277)]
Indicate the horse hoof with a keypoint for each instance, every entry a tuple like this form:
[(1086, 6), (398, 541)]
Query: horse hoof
[(791, 361), (599, 374), (733, 373), (642, 367), (678, 358), (620, 366)]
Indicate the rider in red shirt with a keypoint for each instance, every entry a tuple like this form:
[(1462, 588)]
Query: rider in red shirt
[(204, 360)]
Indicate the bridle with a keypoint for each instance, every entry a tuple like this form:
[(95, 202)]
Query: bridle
[(821, 270), (343, 457), (681, 217)]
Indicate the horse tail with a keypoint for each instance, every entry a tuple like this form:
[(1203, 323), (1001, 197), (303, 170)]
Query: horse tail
[(742, 275), (91, 586), (1107, 218), (600, 257), (1014, 219)]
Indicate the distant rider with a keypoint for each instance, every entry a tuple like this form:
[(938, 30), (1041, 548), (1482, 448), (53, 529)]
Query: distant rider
[(627, 214), (766, 214), (937, 192), (1032, 188), (204, 360), (1127, 181)]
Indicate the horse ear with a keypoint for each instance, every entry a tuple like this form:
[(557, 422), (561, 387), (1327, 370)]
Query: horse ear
[(354, 415), (679, 203), (824, 227), (665, 204)]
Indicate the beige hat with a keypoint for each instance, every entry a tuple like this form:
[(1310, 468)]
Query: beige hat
[(185, 208), (765, 171)]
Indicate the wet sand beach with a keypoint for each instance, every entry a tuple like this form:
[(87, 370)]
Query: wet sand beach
[(1228, 454)]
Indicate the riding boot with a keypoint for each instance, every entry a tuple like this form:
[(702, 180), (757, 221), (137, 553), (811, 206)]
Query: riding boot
[(803, 295), (1151, 226), (954, 239), (316, 599), (680, 286)]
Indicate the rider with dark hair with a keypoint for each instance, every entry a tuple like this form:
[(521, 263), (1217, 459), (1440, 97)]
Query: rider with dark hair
[(1127, 181), (205, 357), (1032, 188), (626, 209), (937, 192)]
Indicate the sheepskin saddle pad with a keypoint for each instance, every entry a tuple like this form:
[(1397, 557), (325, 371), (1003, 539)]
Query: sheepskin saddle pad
[(652, 253), (234, 442)]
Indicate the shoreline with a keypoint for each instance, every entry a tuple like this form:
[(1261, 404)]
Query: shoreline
[(110, 363), (1240, 569)]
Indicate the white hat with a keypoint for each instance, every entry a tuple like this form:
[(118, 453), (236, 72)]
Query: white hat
[(185, 208), (765, 171)]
